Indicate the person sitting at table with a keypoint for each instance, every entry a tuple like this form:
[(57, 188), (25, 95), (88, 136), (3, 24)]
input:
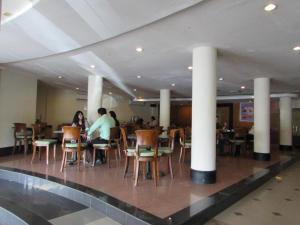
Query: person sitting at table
[(79, 121), (114, 116), (153, 122), (225, 127), (103, 123)]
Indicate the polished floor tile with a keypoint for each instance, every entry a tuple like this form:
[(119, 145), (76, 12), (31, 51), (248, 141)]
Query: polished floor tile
[(277, 202), (171, 195)]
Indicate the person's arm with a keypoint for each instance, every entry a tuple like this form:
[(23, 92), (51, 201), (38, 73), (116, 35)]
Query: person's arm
[(95, 125)]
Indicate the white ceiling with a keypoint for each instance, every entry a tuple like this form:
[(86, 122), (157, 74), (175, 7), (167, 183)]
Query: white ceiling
[(64, 37)]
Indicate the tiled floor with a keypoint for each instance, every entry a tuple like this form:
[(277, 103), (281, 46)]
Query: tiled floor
[(171, 195), (277, 202)]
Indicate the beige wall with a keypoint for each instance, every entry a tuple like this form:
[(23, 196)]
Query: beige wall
[(56, 105), (18, 91)]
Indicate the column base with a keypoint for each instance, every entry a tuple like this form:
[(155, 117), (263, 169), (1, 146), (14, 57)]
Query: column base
[(203, 177), (261, 156), (286, 147)]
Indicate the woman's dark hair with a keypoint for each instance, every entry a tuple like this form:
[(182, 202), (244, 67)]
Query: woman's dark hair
[(114, 116), (76, 120), (102, 111), (152, 117)]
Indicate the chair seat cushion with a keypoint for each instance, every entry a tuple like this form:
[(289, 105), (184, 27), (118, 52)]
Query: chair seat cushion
[(23, 136), (237, 142), (46, 141), (130, 152), (74, 145), (101, 146), (147, 153), (165, 150), (188, 145)]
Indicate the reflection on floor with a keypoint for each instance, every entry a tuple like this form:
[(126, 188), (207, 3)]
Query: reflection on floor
[(277, 202), (171, 195)]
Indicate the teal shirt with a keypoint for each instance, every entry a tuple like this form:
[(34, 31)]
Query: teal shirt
[(104, 123)]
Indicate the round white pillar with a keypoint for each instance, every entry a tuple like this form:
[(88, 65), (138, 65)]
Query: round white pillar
[(164, 110), (95, 85), (203, 154), (262, 119), (285, 106)]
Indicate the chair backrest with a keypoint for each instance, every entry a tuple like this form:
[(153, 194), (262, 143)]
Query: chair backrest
[(124, 137), (147, 138), (35, 131), (19, 128), (182, 136), (114, 133), (172, 136), (71, 133)]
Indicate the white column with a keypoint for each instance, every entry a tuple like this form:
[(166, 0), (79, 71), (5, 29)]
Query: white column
[(95, 84), (203, 156), (285, 105), (164, 110), (262, 119)]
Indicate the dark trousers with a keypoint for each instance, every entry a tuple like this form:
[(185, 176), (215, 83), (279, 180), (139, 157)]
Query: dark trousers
[(99, 154)]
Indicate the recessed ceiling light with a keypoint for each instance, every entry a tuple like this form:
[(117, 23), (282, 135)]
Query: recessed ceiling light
[(139, 49), (190, 67), (134, 89), (139, 76), (243, 87), (77, 88), (59, 77), (110, 93), (173, 85), (221, 78), (92, 66), (296, 48), (270, 7)]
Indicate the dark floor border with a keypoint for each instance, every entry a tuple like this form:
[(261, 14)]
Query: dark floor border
[(124, 213), (261, 156), (286, 147), (6, 151)]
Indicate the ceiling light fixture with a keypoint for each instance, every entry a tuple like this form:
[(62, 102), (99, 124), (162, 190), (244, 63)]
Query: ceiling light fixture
[(173, 85), (139, 49), (221, 78), (139, 76), (92, 66), (134, 89), (59, 77), (190, 67), (110, 93), (296, 48), (243, 87), (270, 7), (77, 88)]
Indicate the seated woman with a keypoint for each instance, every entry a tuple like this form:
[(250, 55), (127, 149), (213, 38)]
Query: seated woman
[(114, 116), (153, 123), (79, 121)]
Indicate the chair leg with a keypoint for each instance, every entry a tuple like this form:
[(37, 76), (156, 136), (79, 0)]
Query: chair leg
[(33, 154), (63, 161), (136, 173), (116, 154), (157, 170), (78, 159), (47, 154), (25, 146), (126, 165), (154, 172), (40, 152), (94, 157), (54, 151), (107, 151), (183, 155), (170, 166), (180, 155), (14, 149)]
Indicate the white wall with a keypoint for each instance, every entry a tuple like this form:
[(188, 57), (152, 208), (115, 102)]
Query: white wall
[(18, 91), (56, 106)]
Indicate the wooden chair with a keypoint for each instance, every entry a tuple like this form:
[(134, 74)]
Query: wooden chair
[(147, 151), (168, 151), (21, 134), (184, 145), (128, 152), (112, 144), (38, 142), (71, 143)]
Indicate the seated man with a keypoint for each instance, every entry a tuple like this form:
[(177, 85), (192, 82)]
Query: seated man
[(103, 123)]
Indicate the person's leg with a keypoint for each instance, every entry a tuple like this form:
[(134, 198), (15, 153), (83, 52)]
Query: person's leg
[(99, 154)]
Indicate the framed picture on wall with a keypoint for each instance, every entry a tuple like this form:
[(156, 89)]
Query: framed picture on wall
[(246, 112)]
